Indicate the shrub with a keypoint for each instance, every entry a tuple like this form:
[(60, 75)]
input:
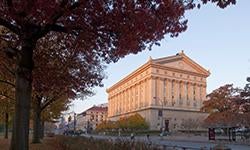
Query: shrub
[(82, 143)]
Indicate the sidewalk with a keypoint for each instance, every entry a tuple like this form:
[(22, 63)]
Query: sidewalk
[(200, 139)]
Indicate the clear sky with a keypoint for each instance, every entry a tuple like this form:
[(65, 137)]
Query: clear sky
[(217, 39)]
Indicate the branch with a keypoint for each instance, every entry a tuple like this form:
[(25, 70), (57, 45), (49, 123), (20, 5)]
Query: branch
[(50, 101), (47, 103), (9, 70), (10, 26), (7, 96), (58, 14), (7, 82)]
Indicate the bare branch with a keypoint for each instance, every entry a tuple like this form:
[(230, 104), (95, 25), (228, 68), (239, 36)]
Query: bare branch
[(7, 82), (7, 96), (9, 70), (47, 103), (10, 26)]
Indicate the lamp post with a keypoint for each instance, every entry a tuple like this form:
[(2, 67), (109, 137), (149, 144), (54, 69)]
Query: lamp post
[(161, 110)]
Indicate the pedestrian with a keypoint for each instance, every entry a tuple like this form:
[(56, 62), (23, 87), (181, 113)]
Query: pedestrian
[(132, 137)]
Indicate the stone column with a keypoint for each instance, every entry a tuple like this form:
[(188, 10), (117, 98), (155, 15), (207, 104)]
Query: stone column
[(173, 96), (203, 98), (190, 93), (129, 99), (139, 94), (146, 93), (176, 95), (168, 89), (134, 97), (152, 91), (115, 105)]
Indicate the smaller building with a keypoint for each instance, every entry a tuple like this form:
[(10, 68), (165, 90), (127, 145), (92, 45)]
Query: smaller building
[(89, 119)]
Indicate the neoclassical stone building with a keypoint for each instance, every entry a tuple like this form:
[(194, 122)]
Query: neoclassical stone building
[(167, 92)]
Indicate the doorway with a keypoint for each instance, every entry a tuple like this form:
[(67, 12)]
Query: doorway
[(167, 125)]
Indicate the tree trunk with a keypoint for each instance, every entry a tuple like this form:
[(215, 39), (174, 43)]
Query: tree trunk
[(42, 130), (37, 125), (20, 138), (6, 125)]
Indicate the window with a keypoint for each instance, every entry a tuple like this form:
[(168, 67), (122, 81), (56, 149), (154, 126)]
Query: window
[(160, 113), (164, 88), (172, 89), (194, 92), (180, 90), (201, 93)]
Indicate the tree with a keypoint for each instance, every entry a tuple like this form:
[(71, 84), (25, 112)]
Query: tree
[(70, 76), (105, 30), (78, 74), (6, 90), (223, 106), (133, 122)]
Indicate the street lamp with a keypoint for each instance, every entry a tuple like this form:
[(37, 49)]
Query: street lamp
[(163, 101)]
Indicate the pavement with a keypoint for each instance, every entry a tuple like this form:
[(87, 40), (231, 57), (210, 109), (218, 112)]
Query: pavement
[(180, 141)]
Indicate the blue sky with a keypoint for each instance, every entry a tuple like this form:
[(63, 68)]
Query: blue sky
[(217, 39)]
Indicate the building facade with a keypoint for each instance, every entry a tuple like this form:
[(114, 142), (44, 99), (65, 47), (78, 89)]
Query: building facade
[(89, 119), (167, 92)]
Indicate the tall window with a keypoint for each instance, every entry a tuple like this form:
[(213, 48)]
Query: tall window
[(187, 91), (194, 92), (164, 91), (172, 92), (156, 87), (180, 90), (172, 89), (201, 93)]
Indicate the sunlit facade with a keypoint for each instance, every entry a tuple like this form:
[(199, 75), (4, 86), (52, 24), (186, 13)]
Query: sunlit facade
[(165, 91)]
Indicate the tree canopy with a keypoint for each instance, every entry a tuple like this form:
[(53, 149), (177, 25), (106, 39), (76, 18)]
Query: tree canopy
[(102, 31), (228, 106)]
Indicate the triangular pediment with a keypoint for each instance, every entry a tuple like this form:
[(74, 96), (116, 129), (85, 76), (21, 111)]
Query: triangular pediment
[(182, 62)]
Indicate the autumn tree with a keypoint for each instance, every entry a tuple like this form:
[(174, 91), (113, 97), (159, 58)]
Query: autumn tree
[(223, 106), (7, 87), (129, 123), (53, 112), (105, 30), (70, 75)]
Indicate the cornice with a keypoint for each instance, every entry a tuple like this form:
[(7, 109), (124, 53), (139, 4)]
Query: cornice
[(131, 75), (159, 66)]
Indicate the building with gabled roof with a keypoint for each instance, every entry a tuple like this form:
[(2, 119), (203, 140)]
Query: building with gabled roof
[(166, 91), (90, 118)]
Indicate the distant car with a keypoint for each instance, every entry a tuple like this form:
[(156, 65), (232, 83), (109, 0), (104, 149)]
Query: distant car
[(242, 129), (219, 131), (79, 132), (165, 133)]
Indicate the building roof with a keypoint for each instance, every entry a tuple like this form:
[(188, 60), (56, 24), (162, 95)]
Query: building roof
[(99, 108), (166, 63)]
